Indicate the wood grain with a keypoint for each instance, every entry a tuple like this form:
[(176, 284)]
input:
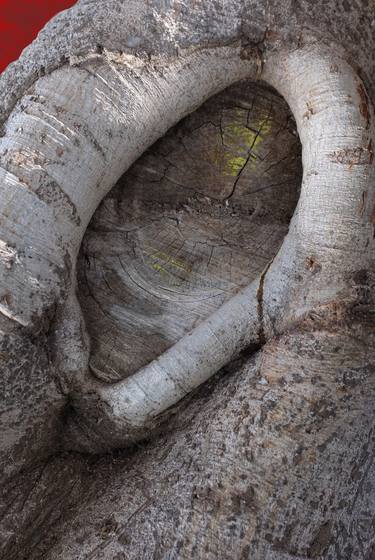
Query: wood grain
[(197, 217)]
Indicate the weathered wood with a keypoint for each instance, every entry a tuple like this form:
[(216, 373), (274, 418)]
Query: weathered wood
[(198, 217)]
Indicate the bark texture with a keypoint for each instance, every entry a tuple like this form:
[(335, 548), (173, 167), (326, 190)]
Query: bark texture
[(273, 457)]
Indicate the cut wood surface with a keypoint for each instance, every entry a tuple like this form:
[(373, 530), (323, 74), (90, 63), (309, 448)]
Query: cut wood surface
[(197, 218)]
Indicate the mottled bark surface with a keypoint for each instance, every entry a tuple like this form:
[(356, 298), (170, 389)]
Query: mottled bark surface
[(205, 489), (273, 457)]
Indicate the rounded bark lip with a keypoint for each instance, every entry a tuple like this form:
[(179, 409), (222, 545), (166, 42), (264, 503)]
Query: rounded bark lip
[(66, 136), (326, 125)]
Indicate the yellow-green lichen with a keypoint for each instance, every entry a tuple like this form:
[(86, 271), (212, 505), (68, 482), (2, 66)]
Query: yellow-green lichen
[(242, 142), (166, 260), (234, 165)]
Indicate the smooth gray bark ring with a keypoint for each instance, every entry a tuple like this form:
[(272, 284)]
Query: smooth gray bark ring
[(63, 151)]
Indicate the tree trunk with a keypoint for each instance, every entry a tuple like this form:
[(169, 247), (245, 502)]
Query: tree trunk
[(208, 259)]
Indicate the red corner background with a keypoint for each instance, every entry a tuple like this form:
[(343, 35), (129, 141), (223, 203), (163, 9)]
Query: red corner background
[(21, 21)]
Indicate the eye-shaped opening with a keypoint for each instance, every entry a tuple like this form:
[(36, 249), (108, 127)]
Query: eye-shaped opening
[(196, 219), (225, 177)]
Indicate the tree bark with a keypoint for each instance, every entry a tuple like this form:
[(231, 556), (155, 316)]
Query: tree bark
[(271, 458)]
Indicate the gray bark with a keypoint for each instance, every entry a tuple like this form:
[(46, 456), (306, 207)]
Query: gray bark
[(272, 458)]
